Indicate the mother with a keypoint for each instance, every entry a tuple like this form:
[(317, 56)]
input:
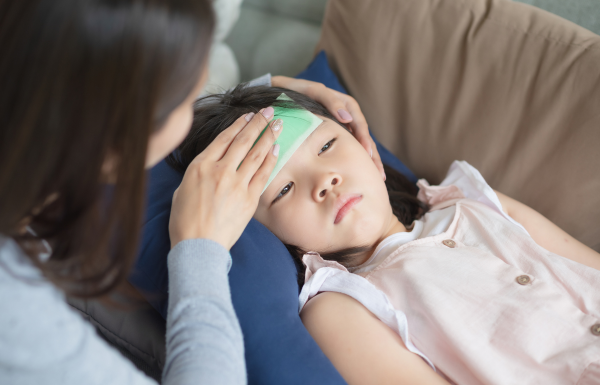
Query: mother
[(92, 93)]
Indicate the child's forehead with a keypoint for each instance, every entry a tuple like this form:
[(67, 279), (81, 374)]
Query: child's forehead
[(326, 124), (319, 127), (320, 134)]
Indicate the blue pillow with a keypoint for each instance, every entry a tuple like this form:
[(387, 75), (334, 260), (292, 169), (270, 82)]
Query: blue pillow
[(263, 283)]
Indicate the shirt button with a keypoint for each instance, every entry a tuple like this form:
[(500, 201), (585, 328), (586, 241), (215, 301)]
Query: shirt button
[(595, 329), (523, 279), (450, 243)]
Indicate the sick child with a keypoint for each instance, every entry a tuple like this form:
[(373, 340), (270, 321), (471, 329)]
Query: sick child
[(455, 283)]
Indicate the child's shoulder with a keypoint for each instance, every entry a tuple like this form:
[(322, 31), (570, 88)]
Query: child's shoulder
[(463, 181)]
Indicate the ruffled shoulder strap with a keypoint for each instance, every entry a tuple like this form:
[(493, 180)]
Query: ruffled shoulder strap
[(314, 262), (438, 197)]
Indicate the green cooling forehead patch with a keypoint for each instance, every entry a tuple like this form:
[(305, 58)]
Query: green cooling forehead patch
[(298, 124)]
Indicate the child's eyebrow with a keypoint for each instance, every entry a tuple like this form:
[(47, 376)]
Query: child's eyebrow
[(326, 121)]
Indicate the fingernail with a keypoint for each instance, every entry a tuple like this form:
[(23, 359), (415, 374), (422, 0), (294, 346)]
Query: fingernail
[(276, 125), (384, 176), (276, 149), (344, 114), (371, 152), (268, 112), (249, 116)]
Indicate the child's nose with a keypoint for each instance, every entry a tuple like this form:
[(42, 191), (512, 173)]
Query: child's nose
[(321, 190)]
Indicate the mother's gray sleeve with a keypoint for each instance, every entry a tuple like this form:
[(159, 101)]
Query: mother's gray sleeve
[(264, 80), (43, 340), (204, 340)]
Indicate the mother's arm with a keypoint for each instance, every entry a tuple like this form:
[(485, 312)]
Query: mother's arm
[(362, 348), (548, 235), (211, 207)]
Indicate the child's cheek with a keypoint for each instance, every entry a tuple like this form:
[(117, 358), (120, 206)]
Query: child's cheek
[(301, 226), (287, 224)]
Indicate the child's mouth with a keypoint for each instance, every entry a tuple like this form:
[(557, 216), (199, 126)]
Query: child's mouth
[(344, 204)]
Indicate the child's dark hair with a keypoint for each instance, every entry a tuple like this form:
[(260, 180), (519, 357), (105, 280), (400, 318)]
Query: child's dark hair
[(215, 113)]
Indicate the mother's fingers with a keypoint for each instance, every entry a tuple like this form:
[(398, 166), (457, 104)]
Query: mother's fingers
[(377, 160), (257, 154), (218, 148), (337, 104), (360, 130), (260, 178), (359, 126), (243, 142)]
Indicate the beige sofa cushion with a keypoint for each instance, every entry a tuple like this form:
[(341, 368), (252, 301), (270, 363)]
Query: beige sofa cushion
[(510, 88)]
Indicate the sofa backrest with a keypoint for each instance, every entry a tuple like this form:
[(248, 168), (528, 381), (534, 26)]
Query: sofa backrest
[(510, 88)]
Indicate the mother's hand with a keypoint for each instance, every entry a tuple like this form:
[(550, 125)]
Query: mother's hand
[(343, 107), (216, 199)]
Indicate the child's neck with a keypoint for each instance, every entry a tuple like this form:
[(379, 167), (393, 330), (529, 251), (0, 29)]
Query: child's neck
[(394, 227)]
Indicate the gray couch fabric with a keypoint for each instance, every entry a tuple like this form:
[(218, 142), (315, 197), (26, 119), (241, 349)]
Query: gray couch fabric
[(276, 36), (585, 13)]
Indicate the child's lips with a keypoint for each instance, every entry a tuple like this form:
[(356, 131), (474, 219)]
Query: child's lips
[(343, 204)]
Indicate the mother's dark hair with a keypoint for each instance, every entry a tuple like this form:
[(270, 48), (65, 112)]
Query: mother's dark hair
[(82, 81), (214, 113)]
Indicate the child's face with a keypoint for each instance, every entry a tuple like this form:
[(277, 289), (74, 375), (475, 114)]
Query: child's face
[(301, 206)]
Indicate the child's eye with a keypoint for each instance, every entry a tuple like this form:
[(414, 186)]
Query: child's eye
[(327, 146), (283, 191)]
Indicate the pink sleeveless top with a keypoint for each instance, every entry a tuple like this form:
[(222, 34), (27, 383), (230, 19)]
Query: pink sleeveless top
[(481, 302)]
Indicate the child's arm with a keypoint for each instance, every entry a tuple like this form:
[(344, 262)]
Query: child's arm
[(361, 347), (547, 234)]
